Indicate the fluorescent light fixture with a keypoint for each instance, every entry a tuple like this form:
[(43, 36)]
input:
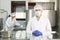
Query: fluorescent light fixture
[(20, 15)]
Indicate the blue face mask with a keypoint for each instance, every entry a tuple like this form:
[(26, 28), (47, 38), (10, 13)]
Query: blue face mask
[(38, 13)]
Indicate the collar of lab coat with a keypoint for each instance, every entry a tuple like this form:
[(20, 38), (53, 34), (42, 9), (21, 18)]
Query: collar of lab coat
[(41, 18)]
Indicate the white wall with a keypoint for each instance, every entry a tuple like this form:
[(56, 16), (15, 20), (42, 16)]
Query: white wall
[(6, 5)]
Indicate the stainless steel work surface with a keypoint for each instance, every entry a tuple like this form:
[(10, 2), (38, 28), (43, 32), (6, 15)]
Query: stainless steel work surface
[(17, 39)]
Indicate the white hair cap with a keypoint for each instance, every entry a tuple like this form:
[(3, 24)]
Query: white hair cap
[(13, 14), (37, 7)]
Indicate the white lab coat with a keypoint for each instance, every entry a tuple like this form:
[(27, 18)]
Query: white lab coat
[(11, 23), (43, 25)]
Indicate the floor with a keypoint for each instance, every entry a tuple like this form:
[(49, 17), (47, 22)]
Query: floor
[(18, 39)]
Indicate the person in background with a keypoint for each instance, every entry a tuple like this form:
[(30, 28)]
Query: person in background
[(10, 23), (39, 27)]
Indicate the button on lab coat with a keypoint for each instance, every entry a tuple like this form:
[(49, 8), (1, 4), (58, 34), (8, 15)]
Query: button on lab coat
[(11, 23), (43, 25)]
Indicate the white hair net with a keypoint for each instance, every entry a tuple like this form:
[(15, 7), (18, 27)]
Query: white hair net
[(37, 7), (13, 14)]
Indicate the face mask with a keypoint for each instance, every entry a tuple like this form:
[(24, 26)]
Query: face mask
[(38, 13)]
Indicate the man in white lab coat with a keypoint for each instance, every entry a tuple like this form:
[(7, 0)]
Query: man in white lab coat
[(10, 23), (40, 23)]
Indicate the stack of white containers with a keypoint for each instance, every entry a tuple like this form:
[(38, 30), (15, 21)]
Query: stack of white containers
[(20, 35)]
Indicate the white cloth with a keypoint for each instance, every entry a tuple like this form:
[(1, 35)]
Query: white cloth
[(11, 23), (43, 25)]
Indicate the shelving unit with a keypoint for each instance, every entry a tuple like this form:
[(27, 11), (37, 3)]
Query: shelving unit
[(20, 8)]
